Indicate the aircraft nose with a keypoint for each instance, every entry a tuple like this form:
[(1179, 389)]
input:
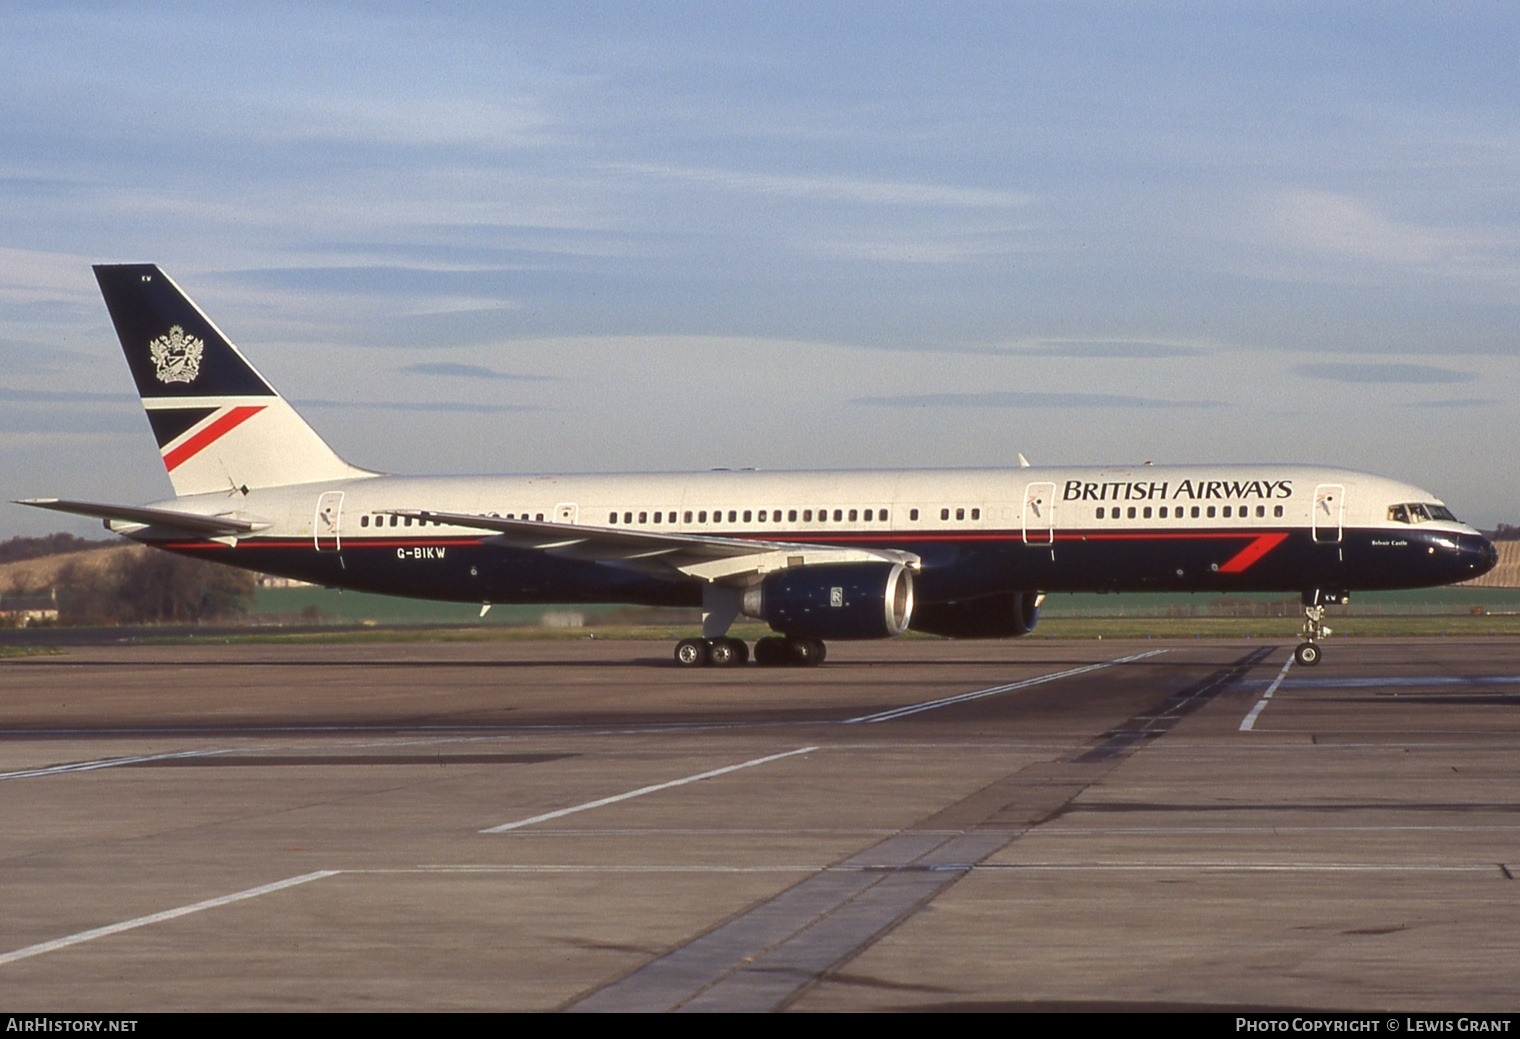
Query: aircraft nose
[(1479, 552)]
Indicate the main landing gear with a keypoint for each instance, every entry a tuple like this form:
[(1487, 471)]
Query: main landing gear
[(1314, 629), (770, 651)]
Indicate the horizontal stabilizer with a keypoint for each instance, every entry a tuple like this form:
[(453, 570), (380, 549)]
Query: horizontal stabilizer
[(192, 523)]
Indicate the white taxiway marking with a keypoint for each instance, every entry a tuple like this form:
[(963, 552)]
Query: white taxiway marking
[(155, 918), (903, 712), (91, 766), (641, 791), (1261, 705)]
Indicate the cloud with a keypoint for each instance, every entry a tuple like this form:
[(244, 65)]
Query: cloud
[(1030, 400), (1382, 373), (440, 406), (1139, 348), (470, 371), (65, 397), (835, 189), (1455, 402)]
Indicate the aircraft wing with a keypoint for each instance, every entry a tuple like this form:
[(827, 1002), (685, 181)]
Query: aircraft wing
[(169, 519), (724, 560)]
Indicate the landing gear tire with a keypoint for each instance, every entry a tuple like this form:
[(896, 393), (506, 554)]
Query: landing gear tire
[(805, 652), (693, 652), (771, 652), (727, 652), (1307, 654)]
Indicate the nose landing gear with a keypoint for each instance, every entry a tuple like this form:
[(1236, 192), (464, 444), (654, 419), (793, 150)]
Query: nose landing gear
[(1314, 629)]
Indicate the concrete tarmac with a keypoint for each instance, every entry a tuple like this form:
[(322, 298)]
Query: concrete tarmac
[(916, 825)]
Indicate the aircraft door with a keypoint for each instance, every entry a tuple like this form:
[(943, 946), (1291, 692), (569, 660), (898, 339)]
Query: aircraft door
[(1329, 513), (326, 526), (565, 512), (1039, 514)]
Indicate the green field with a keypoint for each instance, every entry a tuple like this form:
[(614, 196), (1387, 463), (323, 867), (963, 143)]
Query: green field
[(1426, 613)]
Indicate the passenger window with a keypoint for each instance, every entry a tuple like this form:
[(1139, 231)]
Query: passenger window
[(1211, 512), (1277, 510), (944, 514), (913, 515), (867, 516), (761, 516), (791, 516), (852, 515), (1100, 512), (960, 514), (733, 517), (882, 515), (611, 517), (657, 517), (807, 515), (1147, 512), (976, 514), (363, 521), (1261, 512), (838, 515), (1131, 512), (1195, 512), (746, 516), (1226, 512), (643, 517)]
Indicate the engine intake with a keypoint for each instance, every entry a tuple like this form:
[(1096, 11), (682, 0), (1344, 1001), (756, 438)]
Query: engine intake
[(835, 600)]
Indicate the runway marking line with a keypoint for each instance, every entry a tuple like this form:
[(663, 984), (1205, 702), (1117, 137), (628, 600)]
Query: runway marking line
[(167, 914), (641, 791), (1261, 705), (949, 701)]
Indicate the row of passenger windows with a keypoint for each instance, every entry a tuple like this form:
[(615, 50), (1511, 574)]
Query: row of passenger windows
[(407, 521), (752, 516), (776, 516), (1183, 512)]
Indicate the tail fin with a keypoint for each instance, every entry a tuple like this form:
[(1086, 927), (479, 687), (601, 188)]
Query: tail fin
[(219, 425)]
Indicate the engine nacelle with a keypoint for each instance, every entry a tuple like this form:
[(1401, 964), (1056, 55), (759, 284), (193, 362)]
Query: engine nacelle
[(835, 600), (1002, 616)]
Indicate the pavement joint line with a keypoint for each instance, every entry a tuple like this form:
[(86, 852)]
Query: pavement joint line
[(1249, 721), (168, 914), (643, 790), (950, 701), (1239, 867)]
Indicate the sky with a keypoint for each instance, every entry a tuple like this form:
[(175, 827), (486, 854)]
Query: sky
[(583, 237)]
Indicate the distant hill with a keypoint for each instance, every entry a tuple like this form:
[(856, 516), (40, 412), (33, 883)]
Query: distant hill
[(17, 549), (29, 575)]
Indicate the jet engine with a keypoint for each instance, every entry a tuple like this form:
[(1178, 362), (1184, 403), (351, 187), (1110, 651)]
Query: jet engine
[(835, 600), (1002, 616)]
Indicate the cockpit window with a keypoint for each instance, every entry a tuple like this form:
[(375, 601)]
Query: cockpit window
[(1419, 512)]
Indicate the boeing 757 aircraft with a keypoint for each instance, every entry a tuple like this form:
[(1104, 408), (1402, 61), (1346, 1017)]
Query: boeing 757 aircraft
[(965, 553)]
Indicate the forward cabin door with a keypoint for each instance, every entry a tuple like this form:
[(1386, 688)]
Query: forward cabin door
[(1329, 513), (1039, 514), (326, 527)]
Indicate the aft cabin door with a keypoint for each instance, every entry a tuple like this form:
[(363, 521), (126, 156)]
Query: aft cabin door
[(328, 522), (1329, 513), (1039, 513)]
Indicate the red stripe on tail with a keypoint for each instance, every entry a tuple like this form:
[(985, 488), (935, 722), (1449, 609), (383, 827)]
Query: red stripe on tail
[(210, 435)]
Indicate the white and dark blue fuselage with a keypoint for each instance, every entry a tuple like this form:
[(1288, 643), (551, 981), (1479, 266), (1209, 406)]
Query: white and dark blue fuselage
[(817, 555)]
